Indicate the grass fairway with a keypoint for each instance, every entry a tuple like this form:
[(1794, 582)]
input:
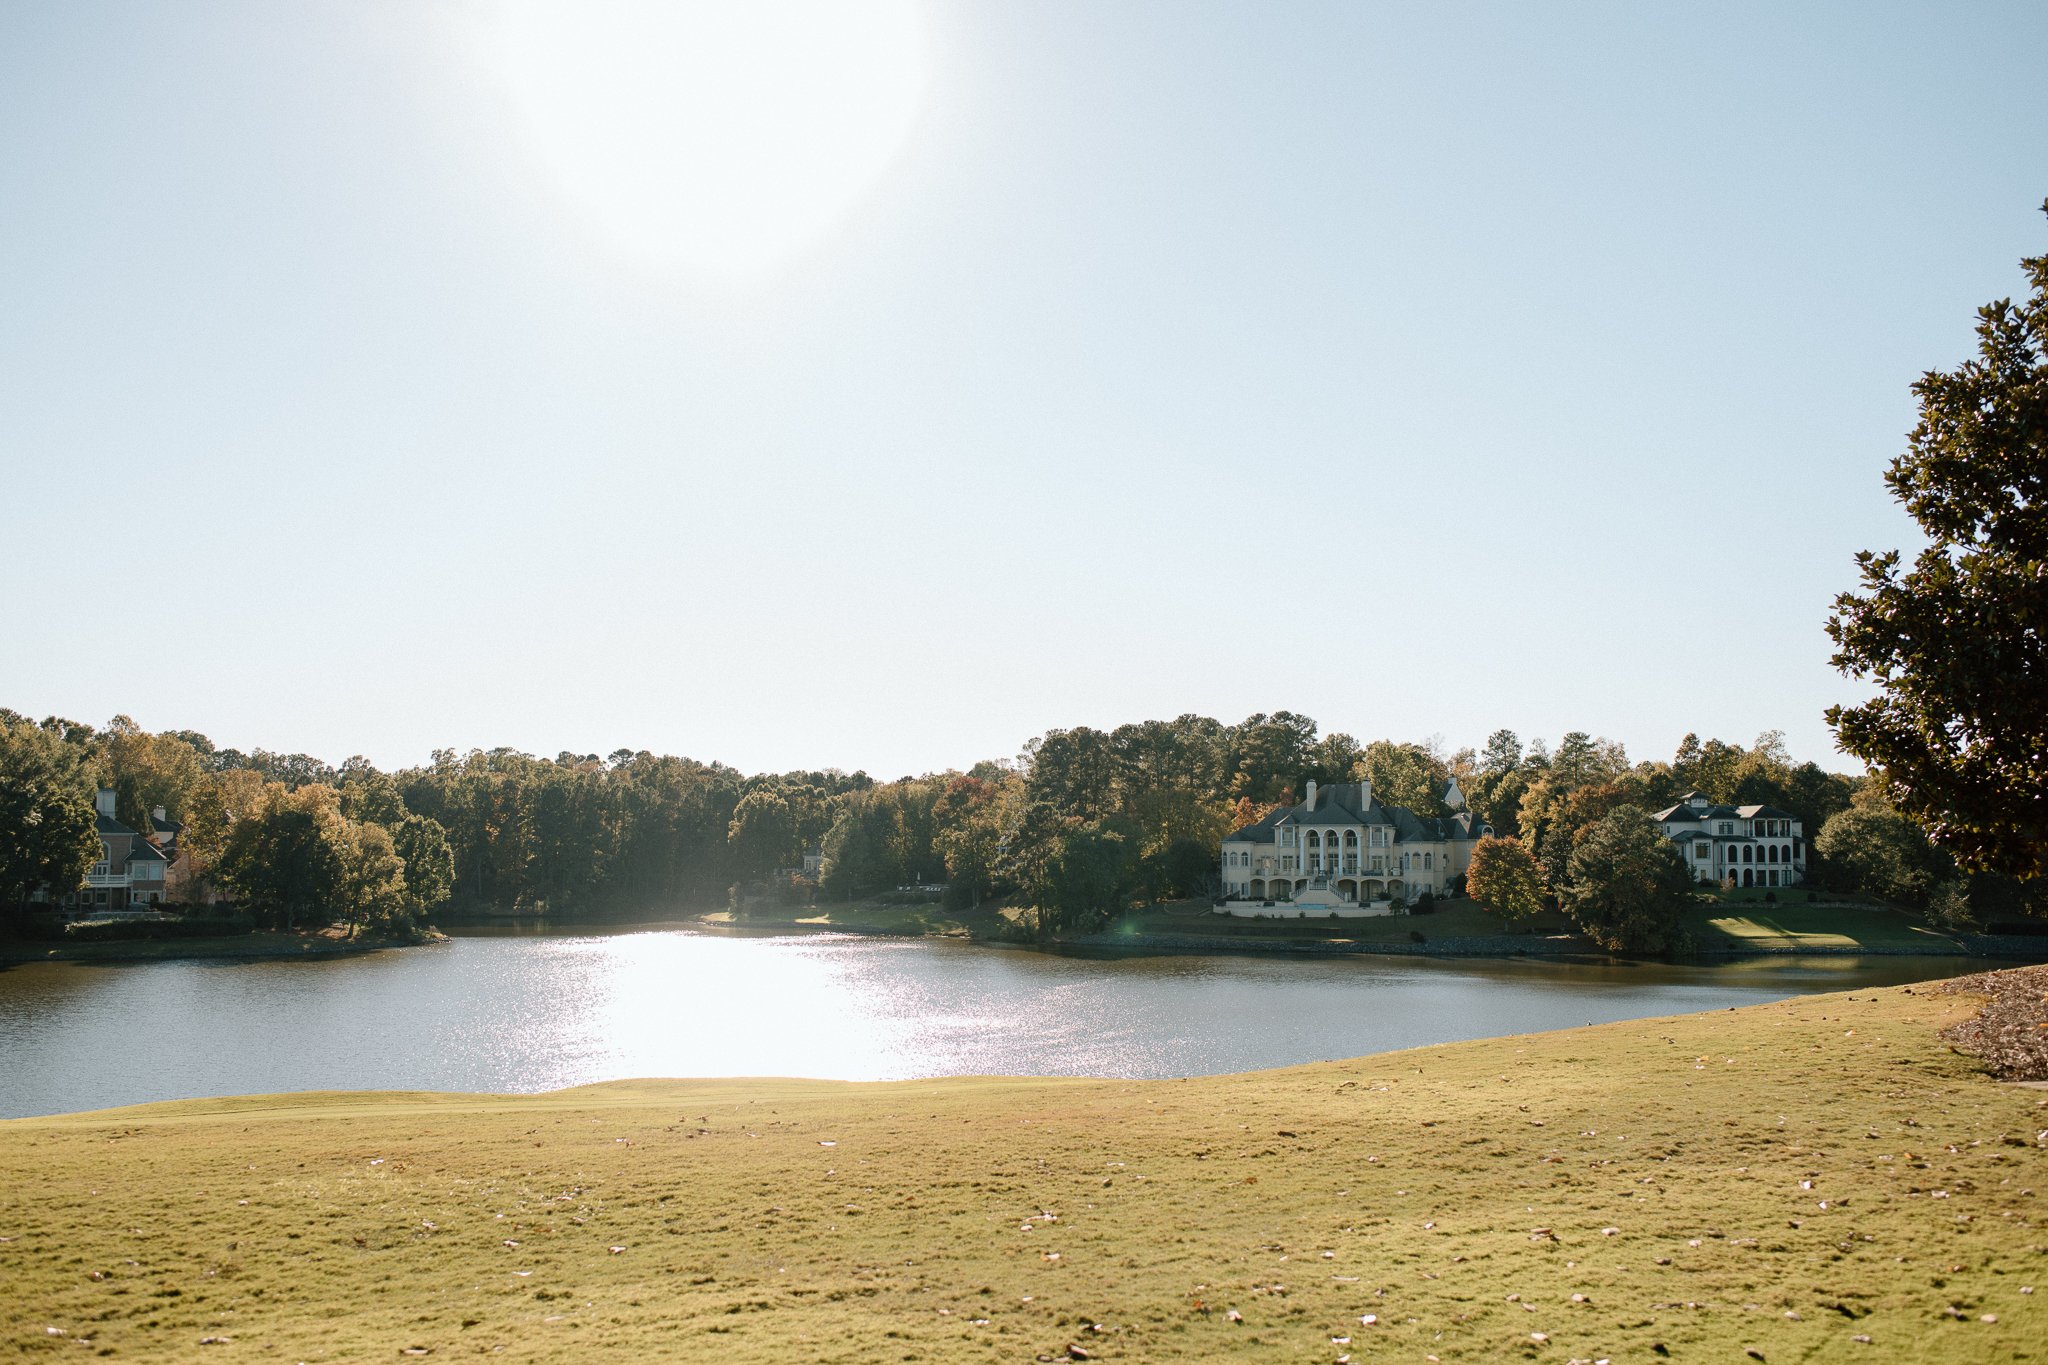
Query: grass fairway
[(1815, 1180)]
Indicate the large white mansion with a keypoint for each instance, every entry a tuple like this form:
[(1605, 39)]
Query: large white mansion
[(1738, 845), (1341, 852)]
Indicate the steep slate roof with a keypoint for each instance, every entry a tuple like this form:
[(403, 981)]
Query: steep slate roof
[(109, 825), (1347, 803), (144, 851), (1681, 811)]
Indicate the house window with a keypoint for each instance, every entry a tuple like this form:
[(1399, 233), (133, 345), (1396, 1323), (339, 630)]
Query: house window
[(1429, 862), (1702, 851), (1727, 828)]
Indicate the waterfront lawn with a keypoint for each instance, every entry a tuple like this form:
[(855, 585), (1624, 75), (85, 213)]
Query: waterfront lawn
[(1797, 925), (1460, 918), (1791, 1180)]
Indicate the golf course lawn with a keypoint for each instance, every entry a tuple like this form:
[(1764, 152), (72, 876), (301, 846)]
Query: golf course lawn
[(1821, 1179)]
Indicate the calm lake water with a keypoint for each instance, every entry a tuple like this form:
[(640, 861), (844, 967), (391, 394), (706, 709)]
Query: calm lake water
[(504, 1011)]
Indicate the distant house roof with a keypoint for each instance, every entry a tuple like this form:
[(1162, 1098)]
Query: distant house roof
[(1352, 803), (109, 825), (146, 852), (1682, 811)]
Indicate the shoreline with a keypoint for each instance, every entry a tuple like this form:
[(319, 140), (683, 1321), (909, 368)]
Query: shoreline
[(271, 945), (2012, 947), (277, 945)]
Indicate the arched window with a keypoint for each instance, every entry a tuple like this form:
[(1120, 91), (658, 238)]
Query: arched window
[(1748, 854)]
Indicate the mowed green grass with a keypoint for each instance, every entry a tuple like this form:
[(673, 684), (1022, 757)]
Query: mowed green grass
[(1797, 925), (1787, 1179)]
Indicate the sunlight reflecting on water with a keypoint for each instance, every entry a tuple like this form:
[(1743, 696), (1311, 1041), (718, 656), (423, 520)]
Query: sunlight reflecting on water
[(497, 1011)]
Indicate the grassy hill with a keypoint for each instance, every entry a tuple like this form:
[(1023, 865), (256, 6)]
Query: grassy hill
[(1820, 1179)]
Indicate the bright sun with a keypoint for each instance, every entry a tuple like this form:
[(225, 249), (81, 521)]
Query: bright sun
[(716, 136)]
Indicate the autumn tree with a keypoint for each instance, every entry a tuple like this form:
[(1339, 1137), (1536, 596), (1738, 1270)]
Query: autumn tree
[(285, 856), (1505, 879), (1410, 775), (147, 771), (1958, 643)]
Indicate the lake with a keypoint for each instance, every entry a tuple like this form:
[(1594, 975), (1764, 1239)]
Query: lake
[(525, 1011)]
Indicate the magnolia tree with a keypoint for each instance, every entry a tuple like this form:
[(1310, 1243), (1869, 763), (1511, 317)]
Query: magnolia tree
[(1958, 643)]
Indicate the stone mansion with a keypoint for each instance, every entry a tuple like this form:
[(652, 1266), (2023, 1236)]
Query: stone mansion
[(1341, 852)]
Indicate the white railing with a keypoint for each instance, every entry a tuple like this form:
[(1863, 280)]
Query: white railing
[(106, 879)]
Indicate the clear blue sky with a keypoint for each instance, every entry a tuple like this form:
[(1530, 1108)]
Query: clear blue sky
[(1426, 369)]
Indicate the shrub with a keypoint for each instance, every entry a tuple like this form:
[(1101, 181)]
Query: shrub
[(1425, 904), (109, 930)]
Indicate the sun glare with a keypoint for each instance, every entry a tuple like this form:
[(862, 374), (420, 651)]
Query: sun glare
[(719, 137)]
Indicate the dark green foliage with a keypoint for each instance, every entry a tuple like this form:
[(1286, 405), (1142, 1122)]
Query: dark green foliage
[(1186, 868), (863, 847), (1626, 885), (108, 930), (422, 846), (1875, 849), (1088, 880), (47, 839), (1958, 643)]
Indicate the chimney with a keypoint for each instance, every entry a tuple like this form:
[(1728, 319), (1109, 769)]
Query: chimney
[(103, 802), (1311, 802), (157, 816)]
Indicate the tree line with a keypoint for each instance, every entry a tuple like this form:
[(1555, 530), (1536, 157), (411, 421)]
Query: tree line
[(1080, 825)]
